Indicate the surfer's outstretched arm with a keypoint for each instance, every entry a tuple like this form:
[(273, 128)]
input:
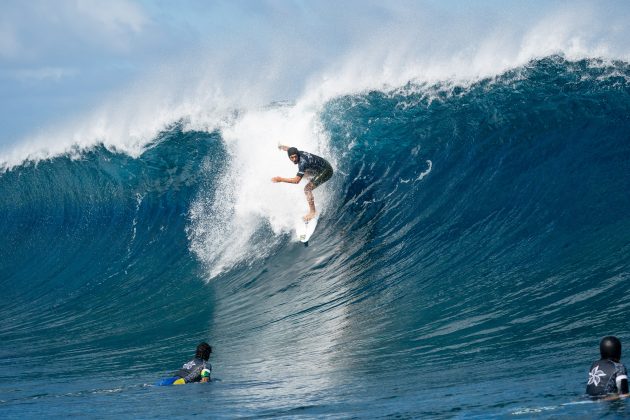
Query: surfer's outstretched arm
[(294, 180)]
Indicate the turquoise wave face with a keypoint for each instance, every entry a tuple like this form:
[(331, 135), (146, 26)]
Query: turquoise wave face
[(473, 235)]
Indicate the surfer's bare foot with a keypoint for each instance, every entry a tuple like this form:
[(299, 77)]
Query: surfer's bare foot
[(309, 216)]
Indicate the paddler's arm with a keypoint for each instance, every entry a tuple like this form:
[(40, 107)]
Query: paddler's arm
[(295, 180), (622, 386)]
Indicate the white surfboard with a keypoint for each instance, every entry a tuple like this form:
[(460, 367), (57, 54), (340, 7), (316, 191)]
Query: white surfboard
[(304, 230)]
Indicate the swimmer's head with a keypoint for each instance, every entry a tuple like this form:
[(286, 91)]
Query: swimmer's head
[(203, 351), (610, 348)]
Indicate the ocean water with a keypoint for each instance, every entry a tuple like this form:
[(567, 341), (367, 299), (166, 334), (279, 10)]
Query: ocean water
[(473, 248)]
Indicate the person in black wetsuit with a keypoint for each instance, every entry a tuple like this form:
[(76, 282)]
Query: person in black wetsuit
[(196, 370), (314, 167), (607, 375)]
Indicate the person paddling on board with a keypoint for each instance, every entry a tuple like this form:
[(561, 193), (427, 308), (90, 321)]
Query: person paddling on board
[(196, 370), (608, 377), (316, 168)]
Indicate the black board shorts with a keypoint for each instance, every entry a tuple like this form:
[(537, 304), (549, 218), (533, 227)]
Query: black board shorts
[(322, 177)]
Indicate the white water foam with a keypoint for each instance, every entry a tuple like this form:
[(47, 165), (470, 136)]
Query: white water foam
[(225, 221)]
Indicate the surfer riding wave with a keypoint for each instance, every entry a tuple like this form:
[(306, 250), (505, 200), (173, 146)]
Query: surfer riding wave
[(314, 167)]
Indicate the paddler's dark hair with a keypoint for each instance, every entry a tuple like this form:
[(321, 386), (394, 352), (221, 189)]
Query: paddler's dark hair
[(292, 151), (203, 351)]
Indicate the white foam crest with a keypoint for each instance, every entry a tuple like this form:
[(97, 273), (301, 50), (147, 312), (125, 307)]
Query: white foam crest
[(396, 55), (224, 222), (203, 98), (127, 125), (407, 42)]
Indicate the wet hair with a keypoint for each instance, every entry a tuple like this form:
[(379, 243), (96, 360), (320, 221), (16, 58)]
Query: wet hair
[(203, 351), (610, 348), (292, 151)]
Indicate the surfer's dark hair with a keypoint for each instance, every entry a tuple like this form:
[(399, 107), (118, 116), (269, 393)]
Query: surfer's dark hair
[(610, 348), (292, 151), (203, 351)]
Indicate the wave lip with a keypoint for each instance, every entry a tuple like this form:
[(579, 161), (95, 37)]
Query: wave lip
[(423, 44)]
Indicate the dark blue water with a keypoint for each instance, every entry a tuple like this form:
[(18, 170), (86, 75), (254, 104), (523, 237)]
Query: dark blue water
[(474, 248)]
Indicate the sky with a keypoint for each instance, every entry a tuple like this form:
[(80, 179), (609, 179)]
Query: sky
[(61, 58)]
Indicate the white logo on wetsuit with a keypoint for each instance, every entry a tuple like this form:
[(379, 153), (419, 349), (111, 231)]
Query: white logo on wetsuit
[(595, 375), (189, 365)]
